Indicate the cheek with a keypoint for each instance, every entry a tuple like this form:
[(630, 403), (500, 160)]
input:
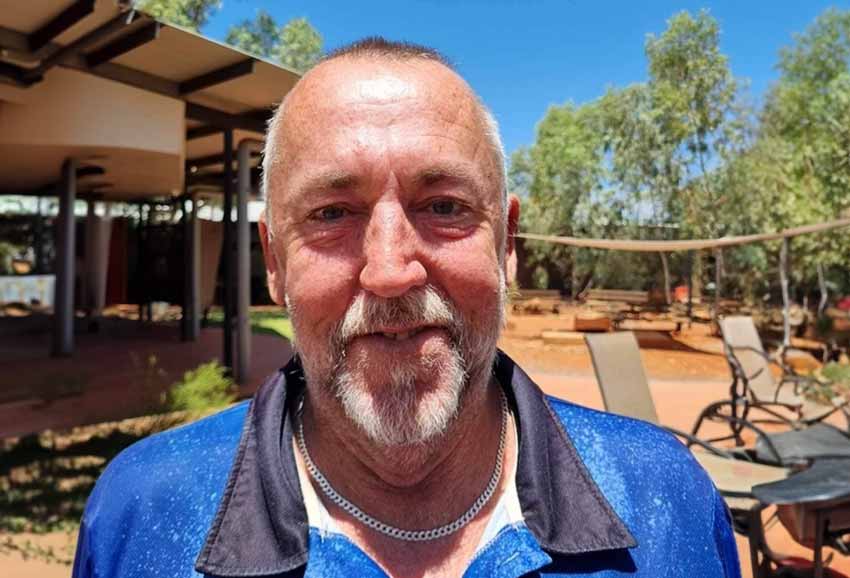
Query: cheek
[(320, 286), (469, 272)]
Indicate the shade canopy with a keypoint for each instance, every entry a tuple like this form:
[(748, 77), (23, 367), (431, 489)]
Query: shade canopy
[(689, 245)]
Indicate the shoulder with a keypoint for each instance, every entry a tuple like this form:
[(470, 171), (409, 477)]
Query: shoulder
[(656, 487), (635, 440), (188, 450), (632, 460), (159, 495)]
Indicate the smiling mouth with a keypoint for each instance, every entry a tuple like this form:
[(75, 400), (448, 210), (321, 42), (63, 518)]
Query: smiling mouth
[(402, 335)]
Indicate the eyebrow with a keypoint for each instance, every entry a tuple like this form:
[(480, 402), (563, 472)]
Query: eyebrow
[(333, 180), (458, 172), (329, 180)]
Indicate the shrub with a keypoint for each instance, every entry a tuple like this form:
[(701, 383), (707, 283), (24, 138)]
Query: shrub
[(835, 382), (837, 373), (203, 388)]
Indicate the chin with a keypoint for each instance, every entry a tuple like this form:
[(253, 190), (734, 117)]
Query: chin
[(404, 403)]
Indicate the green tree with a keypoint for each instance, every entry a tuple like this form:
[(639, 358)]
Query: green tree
[(191, 14), (296, 45), (259, 36), (698, 121), (810, 106), (555, 175), (682, 150), (643, 156), (567, 183), (301, 45), (798, 170)]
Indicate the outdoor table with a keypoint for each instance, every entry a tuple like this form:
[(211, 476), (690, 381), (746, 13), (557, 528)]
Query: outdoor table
[(813, 505)]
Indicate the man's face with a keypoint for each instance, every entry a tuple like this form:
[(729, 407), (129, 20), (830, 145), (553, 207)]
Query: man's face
[(387, 223)]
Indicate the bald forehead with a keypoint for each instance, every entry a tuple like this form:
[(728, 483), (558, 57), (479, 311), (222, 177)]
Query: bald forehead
[(365, 77), (414, 85)]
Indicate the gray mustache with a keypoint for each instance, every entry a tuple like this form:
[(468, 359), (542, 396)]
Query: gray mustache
[(423, 306)]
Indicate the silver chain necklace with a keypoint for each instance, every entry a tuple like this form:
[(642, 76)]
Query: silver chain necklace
[(392, 531)]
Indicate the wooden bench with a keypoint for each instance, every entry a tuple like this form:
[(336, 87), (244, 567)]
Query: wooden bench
[(536, 301), (526, 294), (630, 297)]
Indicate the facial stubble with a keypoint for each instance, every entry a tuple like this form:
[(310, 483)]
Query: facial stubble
[(417, 401)]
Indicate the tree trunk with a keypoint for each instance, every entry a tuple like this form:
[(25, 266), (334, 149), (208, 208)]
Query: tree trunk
[(718, 278), (666, 269), (696, 274), (824, 295), (574, 289), (786, 299)]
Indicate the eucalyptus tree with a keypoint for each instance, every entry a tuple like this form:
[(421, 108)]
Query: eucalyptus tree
[(296, 45), (191, 14), (801, 158)]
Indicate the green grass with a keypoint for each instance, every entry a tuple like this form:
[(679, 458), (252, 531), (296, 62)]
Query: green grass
[(268, 322)]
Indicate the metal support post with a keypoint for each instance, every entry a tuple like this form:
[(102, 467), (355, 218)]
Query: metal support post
[(140, 263), (821, 525), (191, 325), (63, 300), (38, 240), (88, 260), (243, 252), (666, 268), (228, 265)]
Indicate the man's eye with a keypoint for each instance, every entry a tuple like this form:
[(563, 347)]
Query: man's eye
[(330, 214), (444, 207)]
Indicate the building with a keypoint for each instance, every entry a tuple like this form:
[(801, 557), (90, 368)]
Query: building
[(103, 103)]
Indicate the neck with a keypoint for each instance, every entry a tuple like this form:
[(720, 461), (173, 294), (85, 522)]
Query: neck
[(412, 487)]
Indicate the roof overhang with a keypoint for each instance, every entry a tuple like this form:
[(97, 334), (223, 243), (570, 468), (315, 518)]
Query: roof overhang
[(220, 88)]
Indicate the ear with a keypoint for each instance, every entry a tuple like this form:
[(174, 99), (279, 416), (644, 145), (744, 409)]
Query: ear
[(275, 277), (510, 242)]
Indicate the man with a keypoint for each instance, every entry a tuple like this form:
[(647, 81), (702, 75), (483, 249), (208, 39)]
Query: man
[(399, 441)]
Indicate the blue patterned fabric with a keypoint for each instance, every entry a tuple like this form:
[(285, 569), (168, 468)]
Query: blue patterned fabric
[(601, 496)]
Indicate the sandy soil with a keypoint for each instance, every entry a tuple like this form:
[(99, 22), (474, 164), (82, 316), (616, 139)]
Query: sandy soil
[(685, 373)]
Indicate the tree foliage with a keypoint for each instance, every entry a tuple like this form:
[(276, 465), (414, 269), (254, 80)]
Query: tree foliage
[(259, 36), (800, 160), (683, 155), (191, 14), (296, 45), (644, 157)]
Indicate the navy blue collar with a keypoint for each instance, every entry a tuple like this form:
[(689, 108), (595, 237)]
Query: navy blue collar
[(261, 524)]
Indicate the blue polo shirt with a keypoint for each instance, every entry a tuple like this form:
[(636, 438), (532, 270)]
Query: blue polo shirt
[(600, 495)]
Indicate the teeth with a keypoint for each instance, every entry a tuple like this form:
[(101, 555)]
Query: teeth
[(400, 336)]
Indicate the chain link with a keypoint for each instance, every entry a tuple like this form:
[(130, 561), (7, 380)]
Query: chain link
[(399, 533)]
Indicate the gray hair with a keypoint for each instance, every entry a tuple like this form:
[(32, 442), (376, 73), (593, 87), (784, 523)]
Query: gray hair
[(380, 48)]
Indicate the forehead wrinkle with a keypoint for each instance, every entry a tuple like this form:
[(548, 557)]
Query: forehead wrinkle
[(321, 181), (457, 171)]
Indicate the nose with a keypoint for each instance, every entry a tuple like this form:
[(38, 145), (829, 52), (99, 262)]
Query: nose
[(391, 249)]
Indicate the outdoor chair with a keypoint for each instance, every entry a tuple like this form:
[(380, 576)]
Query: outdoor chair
[(755, 393), (747, 358), (625, 391)]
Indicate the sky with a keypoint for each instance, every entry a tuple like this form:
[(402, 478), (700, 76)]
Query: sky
[(524, 56)]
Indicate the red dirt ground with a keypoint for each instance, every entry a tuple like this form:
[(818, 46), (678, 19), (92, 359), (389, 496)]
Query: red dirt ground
[(118, 371)]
